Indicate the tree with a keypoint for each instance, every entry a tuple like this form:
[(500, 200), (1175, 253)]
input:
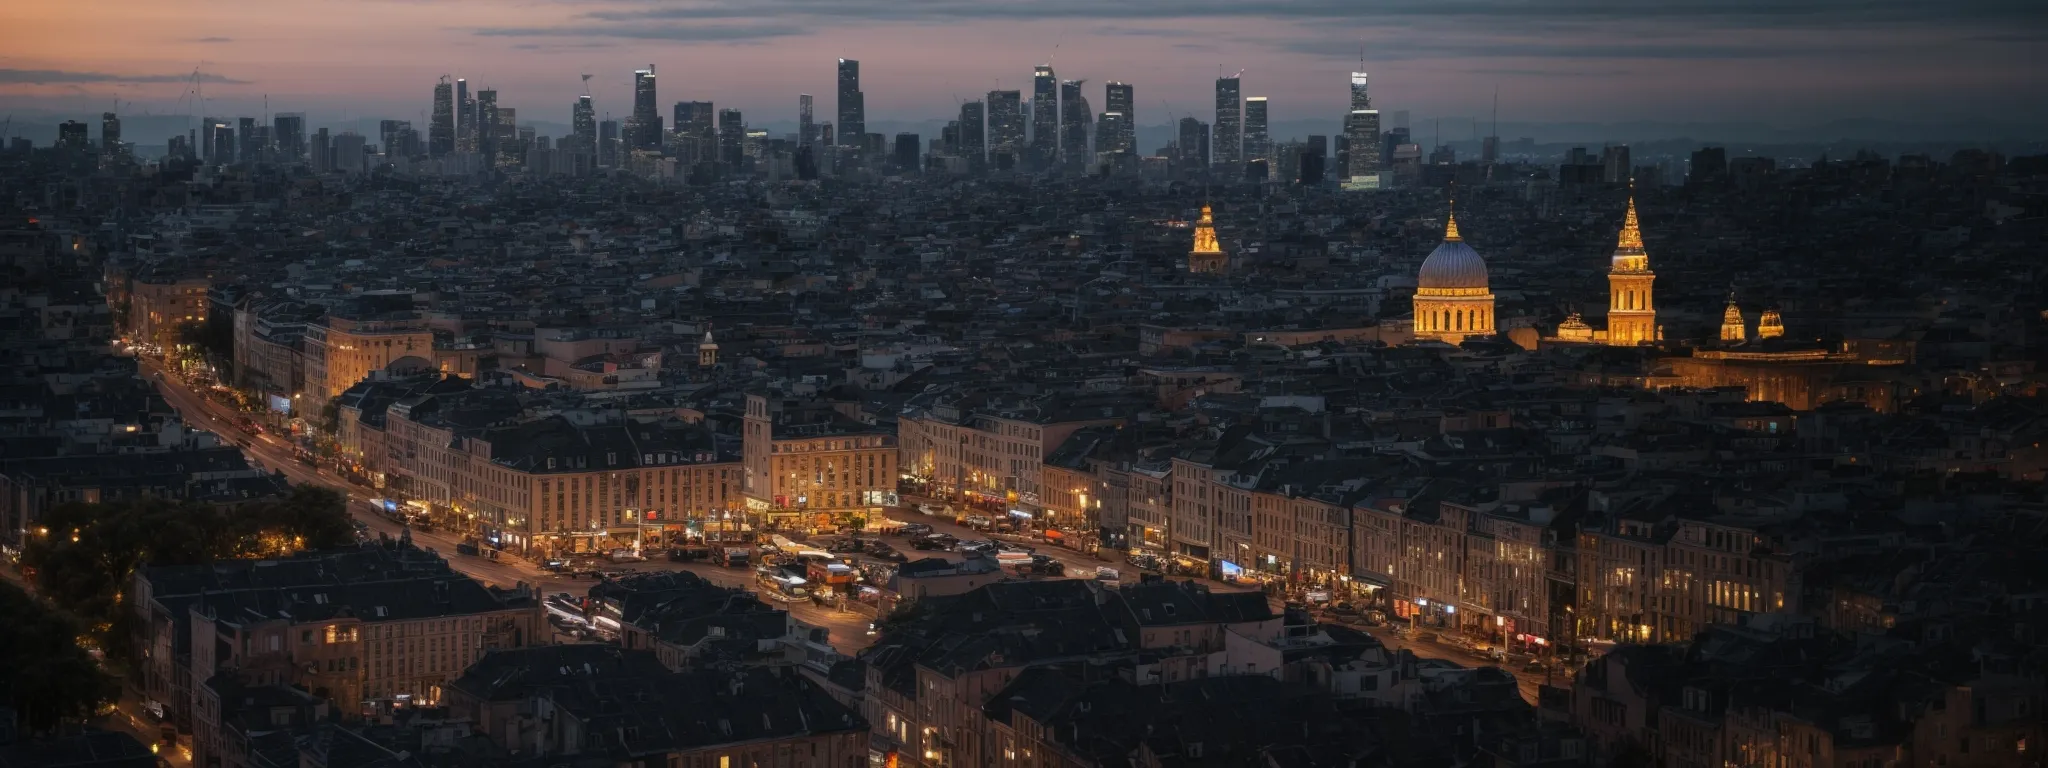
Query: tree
[(50, 677), (84, 556)]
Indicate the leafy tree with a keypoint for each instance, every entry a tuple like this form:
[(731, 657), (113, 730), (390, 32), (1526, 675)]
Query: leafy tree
[(84, 556), (50, 677)]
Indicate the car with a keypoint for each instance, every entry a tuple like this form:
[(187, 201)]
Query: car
[(554, 566), (979, 522), (929, 543), (917, 529)]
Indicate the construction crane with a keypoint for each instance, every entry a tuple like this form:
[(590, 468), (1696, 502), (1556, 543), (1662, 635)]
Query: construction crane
[(586, 86)]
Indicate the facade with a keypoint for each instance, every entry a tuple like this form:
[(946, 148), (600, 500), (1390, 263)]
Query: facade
[(811, 464), (806, 125), (343, 350), (159, 304), (1075, 119), (1452, 300)]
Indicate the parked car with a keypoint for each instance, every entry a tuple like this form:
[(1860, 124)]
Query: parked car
[(979, 522), (916, 529), (937, 541)]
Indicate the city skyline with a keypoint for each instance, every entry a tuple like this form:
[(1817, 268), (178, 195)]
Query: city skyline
[(1575, 63)]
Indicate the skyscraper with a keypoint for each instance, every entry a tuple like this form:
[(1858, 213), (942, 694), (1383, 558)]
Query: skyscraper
[(388, 136), (1362, 128), (806, 130), (646, 116), (441, 128), (1227, 140), (251, 150), (1193, 144), (322, 159), (288, 129), (348, 152), (110, 139), (465, 117), (1119, 134), (973, 141), (853, 121), (1074, 120), (608, 144), (487, 131), (511, 151), (1045, 117), (1258, 143), (907, 152), (1005, 129), (732, 140), (696, 131), (221, 145), (583, 127)]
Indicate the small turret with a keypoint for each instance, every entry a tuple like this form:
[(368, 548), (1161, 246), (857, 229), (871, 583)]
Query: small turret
[(707, 351), (1733, 328)]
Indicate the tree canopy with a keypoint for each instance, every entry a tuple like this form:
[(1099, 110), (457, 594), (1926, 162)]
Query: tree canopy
[(50, 677)]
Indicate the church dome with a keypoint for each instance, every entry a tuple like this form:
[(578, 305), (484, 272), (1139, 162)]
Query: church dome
[(1452, 265)]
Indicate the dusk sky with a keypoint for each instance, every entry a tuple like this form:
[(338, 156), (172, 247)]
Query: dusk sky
[(1775, 61)]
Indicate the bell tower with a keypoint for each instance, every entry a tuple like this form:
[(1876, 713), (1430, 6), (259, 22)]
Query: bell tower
[(1207, 257), (707, 351), (1631, 305)]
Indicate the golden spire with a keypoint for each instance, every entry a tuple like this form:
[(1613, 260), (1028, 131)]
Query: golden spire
[(1205, 233), (1631, 232), (1451, 224)]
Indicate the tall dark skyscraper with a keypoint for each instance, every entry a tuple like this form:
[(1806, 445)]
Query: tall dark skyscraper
[(973, 133), (1258, 141), (1005, 129), (806, 125), (696, 131), (322, 156), (465, 117), (1362, 164), (853, 111), (1119, 119), (388, 136), (646, 116), (441, 127), (583, 127), (110, 138), (487, 133), (1074, 119), (907, 152), (1045, 117), (732, 140), (288, 130), (1227, 141), (608, 144), (249, 151), (1193, 144)]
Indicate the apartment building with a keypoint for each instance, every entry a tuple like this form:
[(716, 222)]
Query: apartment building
[(349, 344), (805, 461), (366, 627)]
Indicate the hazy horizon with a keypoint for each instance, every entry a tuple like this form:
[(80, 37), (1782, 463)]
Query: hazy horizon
[(1574, 61)]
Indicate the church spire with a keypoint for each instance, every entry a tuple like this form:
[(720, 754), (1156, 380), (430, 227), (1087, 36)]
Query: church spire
[(1631, 232), (1451, 224)]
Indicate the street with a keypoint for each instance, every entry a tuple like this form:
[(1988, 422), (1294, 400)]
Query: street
[(847, 629)]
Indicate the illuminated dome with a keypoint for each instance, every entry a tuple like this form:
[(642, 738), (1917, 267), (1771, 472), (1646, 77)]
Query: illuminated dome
[(1453, 265)]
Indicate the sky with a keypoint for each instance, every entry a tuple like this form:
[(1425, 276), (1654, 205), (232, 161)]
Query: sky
[(1780, 62)]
